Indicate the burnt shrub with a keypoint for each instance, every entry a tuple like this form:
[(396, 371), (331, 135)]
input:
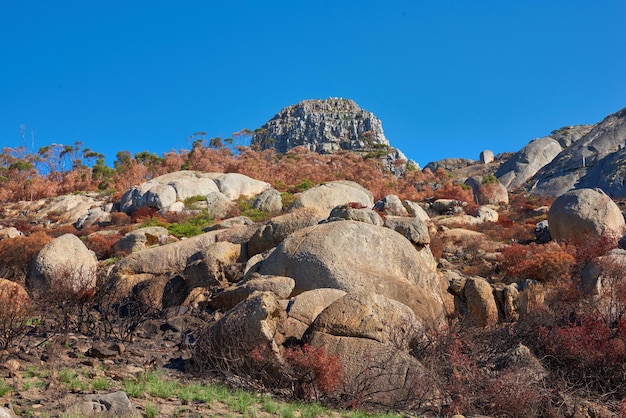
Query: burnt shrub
[(18, 253), (15, 307), (313, 371), (102, 244), (544, 263), (120, 219)]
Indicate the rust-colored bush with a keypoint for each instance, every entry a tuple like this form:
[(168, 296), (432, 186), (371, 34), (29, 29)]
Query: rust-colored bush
[(142, 213), (591, 247), (120, 219), (102, 244), (313, 370), (587, 342), (18, 253), (15, 306), (545, 263)]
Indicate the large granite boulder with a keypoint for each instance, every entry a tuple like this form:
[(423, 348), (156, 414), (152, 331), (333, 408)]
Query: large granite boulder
[(166, 260), (413, 229), (355, 256), (371, 335), (481, 303), (269, 201), (415, 210), (219, 205), (63, 263), (255, 324), (391, 205), (305, 307), (327, 196), (14, 300), (594, 160), (583, 212), (164, 191), (278, 228), (67, 209), (366, 215), (235, 185), (142, 238), (515, 171), (488, 190), (213, 265), (230, 297)]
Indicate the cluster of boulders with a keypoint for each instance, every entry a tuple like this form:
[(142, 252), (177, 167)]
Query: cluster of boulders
[(336, 270)]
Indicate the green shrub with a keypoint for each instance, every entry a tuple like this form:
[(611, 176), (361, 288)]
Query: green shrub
[(489, 179), (246, 209), (100, 383), (190, 201)]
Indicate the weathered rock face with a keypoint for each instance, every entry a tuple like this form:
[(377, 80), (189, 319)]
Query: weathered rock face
[(368, 315), (304, 308), (488, 192), (234, 185), (326, 197), (597, 158), (362, 215), (327, 126), (486, 156), (578, 213), (481, 303), (142, 238), (256, 322), (323, 126), (449, 164), (278, 228), (527, 161), (229, 298), (66, 262), (370, 334), (355, 256), (164, 191)]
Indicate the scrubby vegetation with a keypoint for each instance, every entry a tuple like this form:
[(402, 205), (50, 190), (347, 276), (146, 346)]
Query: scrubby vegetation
[(579, 338)]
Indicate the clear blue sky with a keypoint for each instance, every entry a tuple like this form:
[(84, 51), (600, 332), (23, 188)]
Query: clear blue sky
[(447, 78)]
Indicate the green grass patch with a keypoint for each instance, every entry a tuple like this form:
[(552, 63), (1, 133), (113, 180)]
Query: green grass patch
[(71, 380), (100, 383), (268, 404), (134, 388), (4, 388), (152, 410), (246, 209), (191, 201), (161, 388)]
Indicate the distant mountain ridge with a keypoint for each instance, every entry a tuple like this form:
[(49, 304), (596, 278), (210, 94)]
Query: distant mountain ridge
[(597, 159), (572, 157), (327, 126), (322, 126)]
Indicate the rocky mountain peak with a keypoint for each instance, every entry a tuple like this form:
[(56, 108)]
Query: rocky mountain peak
[(323, 126)]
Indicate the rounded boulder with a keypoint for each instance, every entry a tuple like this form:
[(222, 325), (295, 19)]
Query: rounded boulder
[(355, 256), (580, 213), (65, 262)]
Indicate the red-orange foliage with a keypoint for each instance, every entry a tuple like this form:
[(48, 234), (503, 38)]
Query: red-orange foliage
[(586, 343), (18, 253), (314, 369), (120, 219), (450, 190), (15, 305), (142, 213), (102, 244), (548, 262), (591, 247)]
